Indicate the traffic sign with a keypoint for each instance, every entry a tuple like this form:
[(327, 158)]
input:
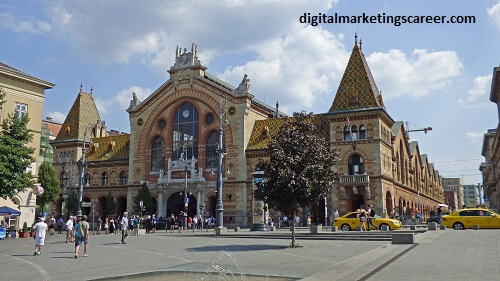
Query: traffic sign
[(87, 204), (186, 200), (186, 204)]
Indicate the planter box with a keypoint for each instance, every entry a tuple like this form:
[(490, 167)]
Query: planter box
[(23, 234), (141, 232)]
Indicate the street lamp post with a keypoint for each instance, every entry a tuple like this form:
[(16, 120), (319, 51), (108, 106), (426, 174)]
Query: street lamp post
[(81, 164), (186, 200), (219, 206)]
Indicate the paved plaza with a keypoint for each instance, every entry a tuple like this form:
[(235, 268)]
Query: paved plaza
[(438, 255)]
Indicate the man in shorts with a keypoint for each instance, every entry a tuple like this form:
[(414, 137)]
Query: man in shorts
[(40, 228), (82, 236), (69, 230)]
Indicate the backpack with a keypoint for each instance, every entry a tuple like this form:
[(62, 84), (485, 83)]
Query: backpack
[(372, 213), (76, 230)]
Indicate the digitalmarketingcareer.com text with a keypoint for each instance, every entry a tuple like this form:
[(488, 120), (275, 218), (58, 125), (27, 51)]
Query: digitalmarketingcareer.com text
[(382, 18)]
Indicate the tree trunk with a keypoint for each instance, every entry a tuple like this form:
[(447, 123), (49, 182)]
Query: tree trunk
[(293, 230)]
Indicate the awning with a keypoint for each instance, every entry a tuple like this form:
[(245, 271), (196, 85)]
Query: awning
[(9, 211)]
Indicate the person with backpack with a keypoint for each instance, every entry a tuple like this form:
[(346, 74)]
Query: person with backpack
[(362, 217), (371, 215), (60, 224), (81, 236)]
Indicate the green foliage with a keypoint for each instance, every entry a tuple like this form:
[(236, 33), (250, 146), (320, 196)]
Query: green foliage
[(145, 195), (15, 155), (25, 227), (299, 170), (72, 203), (50, 183), (110, 205)]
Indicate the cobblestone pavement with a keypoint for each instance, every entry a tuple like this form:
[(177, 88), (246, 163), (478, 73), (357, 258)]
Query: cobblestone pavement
[(460, 255)]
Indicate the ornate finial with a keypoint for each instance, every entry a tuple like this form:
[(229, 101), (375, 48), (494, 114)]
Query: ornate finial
[(81, 86), (91, 89), (360, 44), (356, 38)]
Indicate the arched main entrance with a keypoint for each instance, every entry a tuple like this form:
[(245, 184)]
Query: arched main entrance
[(175, 204), (357, 201)]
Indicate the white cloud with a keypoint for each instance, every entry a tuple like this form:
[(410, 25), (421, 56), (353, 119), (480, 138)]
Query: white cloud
[(57, 116), (478, 94), (109, 32), (121, 101), (420, 74), (494, 13), (297, 69), (475, 137), (14, 23)]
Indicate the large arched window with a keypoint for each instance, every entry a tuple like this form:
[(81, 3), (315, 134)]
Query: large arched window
[(185, 133), (362, 132), (356, 166), (123, 178), (354, 133), (211, 158), (158, 154), (64, 179), (104, 179), (347, 133)]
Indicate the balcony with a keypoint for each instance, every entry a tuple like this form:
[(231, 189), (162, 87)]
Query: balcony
[(355, 178)]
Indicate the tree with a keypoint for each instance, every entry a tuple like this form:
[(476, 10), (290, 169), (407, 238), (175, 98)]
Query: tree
[(50, 183), (15, 155), (110, 205), (72, 203), (148, 202), (299, 171)]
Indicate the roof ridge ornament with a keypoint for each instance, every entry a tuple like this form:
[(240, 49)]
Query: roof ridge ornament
[(185, 59), (244, 87)]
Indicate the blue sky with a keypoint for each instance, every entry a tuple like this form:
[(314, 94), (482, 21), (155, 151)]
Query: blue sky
[(436, 75)]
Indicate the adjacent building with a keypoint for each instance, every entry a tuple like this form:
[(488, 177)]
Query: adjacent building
[(174, 133), (491, 151), (453, 192), (24, 94), (471, 195)]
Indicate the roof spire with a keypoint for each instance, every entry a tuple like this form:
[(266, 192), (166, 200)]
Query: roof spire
[(360, 44), (356, 37), (91, 88), (81, 86), (276, 113)]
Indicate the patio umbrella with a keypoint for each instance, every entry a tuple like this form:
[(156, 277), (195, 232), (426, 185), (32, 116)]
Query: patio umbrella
[(9, 211)]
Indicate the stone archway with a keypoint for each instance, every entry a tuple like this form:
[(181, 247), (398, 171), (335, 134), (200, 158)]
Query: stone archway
[(121, 205), (175, 204)]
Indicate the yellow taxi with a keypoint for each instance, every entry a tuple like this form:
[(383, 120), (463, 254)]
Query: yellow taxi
[(349, 222), (467, 218)]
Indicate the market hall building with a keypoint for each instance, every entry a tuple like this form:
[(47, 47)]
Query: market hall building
[(175, 130)]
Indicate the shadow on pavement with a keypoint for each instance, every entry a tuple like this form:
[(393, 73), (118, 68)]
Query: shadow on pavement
[(236, 248), (114, 243), (65, 257)]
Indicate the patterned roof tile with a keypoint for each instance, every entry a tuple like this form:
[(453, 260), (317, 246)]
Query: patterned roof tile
[(110, 148)]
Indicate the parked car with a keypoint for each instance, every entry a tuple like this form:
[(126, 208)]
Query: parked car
[(349, 222), (467, 218), (161, 223), (435, 219)]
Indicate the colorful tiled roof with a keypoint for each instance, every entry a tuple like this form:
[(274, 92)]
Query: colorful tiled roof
[(357, 89), (82, 115), (110, 148), (263, 130)]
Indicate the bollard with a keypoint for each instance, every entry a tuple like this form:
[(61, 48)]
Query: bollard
[(315, 229), (432, 226), (413, 227), (442, 227), (236, 229), (334, 228), (385, 227), (358, 228), (403, 238), (220, 230), (272, 228), (475, 227)]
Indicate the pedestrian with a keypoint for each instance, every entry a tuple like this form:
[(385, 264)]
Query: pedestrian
[(362, 217), (371, 215), (385, 215), (131, 224), (285, 220), (136, 226), (124, 226), (41, 229), (60, 224), (111, 226), (153, 224), (308, 221), (117, 225), (52, 225), (82, 236), (99, 225), (69, 230), (297, 220), (190, 222), (172, 223), (106, 226), (195, 222), (75, 221)]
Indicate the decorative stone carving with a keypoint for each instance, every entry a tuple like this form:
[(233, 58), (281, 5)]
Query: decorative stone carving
[(134, 102), (244, 87), (185, 59)]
